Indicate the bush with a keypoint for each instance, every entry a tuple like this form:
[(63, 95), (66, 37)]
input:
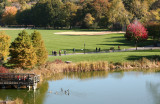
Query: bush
[(111, 48), (58, 61), (3, 70)]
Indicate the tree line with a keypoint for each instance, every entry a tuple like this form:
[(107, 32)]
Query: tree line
[(79, 13)]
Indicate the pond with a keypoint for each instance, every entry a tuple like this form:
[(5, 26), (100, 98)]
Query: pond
[(92, 88)]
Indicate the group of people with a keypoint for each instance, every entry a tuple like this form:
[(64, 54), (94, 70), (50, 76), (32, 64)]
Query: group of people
[(55, 53), (98, 50)]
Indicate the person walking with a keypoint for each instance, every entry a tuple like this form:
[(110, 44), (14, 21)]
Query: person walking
[(59, 52), (64, 52), (55, 53), (96, 49), (99, 49), (52, 52)]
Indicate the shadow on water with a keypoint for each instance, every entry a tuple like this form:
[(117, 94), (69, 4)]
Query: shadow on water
[(28, 97)]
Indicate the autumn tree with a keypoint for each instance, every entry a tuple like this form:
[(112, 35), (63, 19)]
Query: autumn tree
[(97, 8), (39, 47), (8, 17), (89, 20), (4, 46), (118, 13), (140, 10), (155, 11), (22, 53), (136, 32), (69, 10)]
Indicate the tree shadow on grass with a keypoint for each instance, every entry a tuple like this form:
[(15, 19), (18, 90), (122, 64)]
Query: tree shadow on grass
[(150, 57), (123, 42)]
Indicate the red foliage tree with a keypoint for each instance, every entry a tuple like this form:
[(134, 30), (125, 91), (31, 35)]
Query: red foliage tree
[(136, 32)]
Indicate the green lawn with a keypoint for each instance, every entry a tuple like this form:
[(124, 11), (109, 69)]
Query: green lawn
[(110, 57), (68, 42)]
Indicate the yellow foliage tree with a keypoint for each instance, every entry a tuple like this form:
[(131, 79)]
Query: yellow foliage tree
[(89, 20), (4, 45), (118, 13)]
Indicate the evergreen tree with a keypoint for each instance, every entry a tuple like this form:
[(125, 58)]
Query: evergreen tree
[(39, 47), (22, 53), (4, 46)]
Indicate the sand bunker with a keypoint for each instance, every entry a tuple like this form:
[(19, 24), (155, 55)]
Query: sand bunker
[(88, 33), (12, 28)]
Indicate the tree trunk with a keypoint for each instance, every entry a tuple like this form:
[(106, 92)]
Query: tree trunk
[(136, 44)]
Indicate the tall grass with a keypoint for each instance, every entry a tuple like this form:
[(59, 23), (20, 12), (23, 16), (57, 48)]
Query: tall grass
[(51, 68)]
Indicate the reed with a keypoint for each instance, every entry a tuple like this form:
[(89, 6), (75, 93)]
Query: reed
[(51, 68)]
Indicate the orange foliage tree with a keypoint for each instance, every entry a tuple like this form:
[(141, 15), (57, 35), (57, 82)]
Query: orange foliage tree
[(8, 16)]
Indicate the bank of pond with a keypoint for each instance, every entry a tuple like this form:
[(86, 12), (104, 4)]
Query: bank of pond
[(132, 87)]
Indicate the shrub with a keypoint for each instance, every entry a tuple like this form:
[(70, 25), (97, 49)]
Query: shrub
[(136, 32), (58, 61), (111, 48), (3, 70)]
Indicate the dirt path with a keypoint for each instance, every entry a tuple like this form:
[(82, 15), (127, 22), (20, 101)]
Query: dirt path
[(13, 28), (88, 33)]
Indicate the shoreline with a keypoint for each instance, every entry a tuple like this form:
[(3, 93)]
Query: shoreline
[(51, 68)]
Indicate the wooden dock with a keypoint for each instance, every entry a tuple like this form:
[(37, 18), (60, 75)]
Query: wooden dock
[(18, 80)]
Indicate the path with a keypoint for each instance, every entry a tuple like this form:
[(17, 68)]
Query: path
[(88, 32), (150, 47)]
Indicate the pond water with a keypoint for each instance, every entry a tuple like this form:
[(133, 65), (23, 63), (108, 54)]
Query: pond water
[(92, 88)]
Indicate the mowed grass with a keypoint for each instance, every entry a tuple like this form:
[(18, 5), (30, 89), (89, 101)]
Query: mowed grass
[(68, 42), (110, 57)]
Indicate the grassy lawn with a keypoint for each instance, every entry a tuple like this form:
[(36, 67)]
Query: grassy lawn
[(68, 42), (114, 57)]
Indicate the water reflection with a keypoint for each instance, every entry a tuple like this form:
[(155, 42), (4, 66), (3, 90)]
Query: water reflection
[(154, 89), (117, 75), (29, 97), (86, 75)]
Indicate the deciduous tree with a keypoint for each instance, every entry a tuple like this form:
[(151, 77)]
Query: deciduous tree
[(136, 32), (8, 17), (118, 13), (4, 46), (89, 20)]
